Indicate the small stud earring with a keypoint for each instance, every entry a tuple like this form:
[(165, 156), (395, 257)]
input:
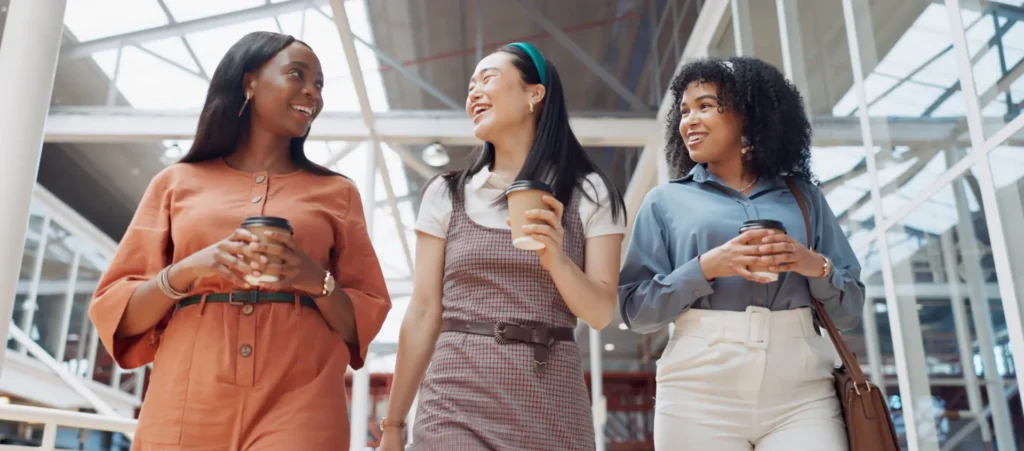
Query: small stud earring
[(248, 95)]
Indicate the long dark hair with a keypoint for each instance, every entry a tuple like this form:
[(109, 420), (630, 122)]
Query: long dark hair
[(774, 120), (220, 126), (556, 156)]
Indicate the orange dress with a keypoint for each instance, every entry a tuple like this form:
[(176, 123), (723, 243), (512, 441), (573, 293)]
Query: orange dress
[(286, 390)]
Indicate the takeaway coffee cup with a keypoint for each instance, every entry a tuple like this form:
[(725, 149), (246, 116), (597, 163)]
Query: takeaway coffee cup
[(754, 224), (523, 196), (259, 225)]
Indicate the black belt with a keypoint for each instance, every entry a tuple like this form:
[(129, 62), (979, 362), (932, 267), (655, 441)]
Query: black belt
[(248, 297), (541, 337)]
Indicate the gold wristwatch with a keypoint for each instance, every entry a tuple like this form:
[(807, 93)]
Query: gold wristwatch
[(329, 284)]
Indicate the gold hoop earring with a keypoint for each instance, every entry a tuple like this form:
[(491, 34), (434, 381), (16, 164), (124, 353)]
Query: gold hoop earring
[(248, 95), (531, 107)]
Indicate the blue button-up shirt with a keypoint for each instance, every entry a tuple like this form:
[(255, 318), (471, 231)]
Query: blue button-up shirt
[(661, 277)]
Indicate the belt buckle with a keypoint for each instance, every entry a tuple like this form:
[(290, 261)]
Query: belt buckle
[(761, 342), (253, 298), (499, 332), (542, 342)]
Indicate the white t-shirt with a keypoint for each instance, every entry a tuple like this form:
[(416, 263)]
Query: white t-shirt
[(484, 187)]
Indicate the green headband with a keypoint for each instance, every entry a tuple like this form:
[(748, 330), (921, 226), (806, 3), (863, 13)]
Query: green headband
[(537, 57)]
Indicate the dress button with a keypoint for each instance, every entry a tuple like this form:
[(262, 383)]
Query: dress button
[(246, 351), (247, 309), (257, 199), (260, 179)]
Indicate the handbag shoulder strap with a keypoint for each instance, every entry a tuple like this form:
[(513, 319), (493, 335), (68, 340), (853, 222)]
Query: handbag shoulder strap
[(849, 360)]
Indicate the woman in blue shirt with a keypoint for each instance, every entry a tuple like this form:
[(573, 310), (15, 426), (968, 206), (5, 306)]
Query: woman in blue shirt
[(744, 368)]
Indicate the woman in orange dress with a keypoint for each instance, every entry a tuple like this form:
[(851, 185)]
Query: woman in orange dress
[(240, 366)]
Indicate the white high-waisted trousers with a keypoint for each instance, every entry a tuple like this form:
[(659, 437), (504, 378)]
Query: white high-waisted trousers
[(740, 381)]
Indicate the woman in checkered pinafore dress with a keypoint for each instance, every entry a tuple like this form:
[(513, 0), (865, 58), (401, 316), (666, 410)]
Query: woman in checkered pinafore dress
[(506, 373)]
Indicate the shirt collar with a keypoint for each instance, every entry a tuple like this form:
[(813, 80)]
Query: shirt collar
[(700, 174), (486, 178)]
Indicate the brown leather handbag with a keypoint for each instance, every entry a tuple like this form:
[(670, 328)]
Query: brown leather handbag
[(868, 424)]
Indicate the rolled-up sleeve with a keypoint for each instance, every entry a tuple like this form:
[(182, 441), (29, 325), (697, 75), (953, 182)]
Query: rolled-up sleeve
[(652, 291), (842, 293), (359, 275), (142, 253)]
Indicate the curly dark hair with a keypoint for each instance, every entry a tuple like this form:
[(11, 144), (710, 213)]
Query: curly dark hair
[(774, 120)]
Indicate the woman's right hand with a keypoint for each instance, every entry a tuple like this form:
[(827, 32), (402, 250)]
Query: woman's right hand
[(733, 257), (392, 440), (229, 258)]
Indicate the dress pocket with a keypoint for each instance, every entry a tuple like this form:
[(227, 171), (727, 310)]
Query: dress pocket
[(821, 356), (682, 351), (164, 407)]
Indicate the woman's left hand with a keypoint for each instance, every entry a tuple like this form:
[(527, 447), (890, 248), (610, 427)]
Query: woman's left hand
[(782, 253), (551, 233), (296, 272)]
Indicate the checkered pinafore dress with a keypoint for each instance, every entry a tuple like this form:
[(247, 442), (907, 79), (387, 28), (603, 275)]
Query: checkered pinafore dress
[(478, 394)]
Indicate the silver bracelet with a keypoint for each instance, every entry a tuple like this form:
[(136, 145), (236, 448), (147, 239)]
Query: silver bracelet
[(164, 282)]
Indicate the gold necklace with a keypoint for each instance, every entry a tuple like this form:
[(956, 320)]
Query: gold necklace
[(750, 185)]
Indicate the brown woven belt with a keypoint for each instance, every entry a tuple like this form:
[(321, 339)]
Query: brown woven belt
[(505, 332)]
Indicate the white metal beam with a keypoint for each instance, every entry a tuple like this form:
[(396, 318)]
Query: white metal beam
[(905, 325), (173, 30), (742, 29), (412, 161), (76, 125), (983, 170), (119, 124), (341, 153)]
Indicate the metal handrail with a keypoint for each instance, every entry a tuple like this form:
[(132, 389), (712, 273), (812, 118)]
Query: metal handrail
[(39, 353), (52, 418)]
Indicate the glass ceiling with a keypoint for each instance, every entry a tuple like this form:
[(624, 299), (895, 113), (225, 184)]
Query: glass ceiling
[(916, 78)]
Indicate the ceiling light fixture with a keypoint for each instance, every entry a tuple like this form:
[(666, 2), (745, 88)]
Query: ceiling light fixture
[(436, 155)]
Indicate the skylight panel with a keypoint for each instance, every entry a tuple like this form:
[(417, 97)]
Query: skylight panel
[(184, 10), (908, 99), (913, 49), (147, 82), (92, 19), (173, 49), (211, 45)]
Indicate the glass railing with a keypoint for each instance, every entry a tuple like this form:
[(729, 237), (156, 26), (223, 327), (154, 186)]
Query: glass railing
[(64, 257)]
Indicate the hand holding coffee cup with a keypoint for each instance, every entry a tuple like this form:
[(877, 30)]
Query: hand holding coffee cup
[(733, 257), (763, 267), (528, 196), (783, 253), (283, 264), (259, 226)]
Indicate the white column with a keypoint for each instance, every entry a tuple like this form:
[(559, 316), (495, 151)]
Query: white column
[(981, 312), (28, 52), (963, 336), (410, 418), (872, 342), (360, 406), (742, 30), (793, 48), (597, 388), (905, 326), (360, 409)]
